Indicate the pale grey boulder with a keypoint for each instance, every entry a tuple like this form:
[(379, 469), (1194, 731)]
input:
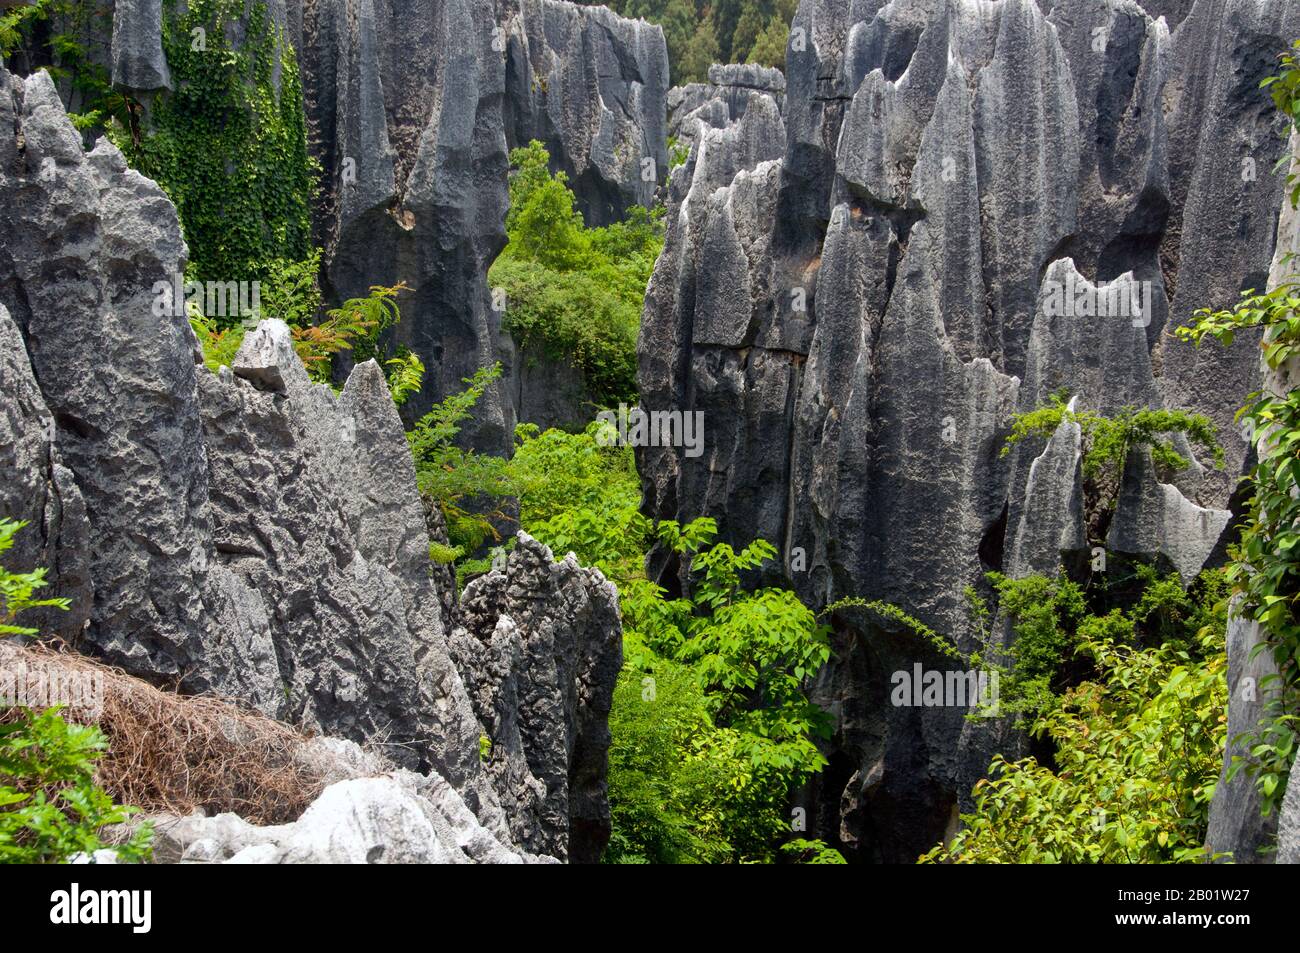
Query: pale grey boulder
[(395, 818)]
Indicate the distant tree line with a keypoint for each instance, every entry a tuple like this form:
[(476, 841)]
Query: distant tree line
[(700, 33)]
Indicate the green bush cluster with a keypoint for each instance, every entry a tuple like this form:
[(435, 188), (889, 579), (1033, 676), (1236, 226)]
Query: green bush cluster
[(50, 806), (229, 145), (1137, 744), (572, 293)]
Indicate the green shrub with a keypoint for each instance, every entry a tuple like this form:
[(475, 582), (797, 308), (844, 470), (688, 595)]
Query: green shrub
[(50, 807), (1107, 442), (1137, 755), (452, 477)]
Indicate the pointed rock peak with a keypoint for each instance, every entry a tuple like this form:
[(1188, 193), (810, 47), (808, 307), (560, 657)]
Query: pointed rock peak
[(267, 360)]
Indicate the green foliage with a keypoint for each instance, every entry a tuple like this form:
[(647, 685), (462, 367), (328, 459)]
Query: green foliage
[(219, 344), (444, 555), (1285, 90), (1107, 442), (17, 590), (892, 614), (452, 477), (1266, 562), (701, 51), (711, 729), (678, 152), (1043, 612), (229, 148), (581, 495), (803, 851), (1137, 755), (574, 293), (50, 807), (290, 291), (405, 376), (769, 46), (85, 84), (16, 23), (753, 651)]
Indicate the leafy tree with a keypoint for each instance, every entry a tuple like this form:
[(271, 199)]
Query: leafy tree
[(769, 46), (711, 730), (701, 52), (574, 293), (1137, 755)]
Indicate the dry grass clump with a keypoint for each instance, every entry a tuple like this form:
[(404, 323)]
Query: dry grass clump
[(171, 753)]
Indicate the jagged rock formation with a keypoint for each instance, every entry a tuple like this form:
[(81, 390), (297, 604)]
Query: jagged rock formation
[(412, 108), (727, 92), (248, 533), (539, 643), (859, 289)]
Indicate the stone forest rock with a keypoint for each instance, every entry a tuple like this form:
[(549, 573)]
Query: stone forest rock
[(857, 289), (940, 214), (255, 535)]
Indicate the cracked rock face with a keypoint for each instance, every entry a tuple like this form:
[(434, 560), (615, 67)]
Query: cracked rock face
[(540, 645), (860, 286), (251, 533), (412, 109)]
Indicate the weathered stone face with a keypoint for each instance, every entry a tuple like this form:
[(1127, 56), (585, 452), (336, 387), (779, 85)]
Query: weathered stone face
[(898, 228), (539, 643), (415, 105), (251, 533), (412, 108)]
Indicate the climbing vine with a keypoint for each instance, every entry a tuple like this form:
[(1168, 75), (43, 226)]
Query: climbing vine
[(1266, 566), (229, 143)]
